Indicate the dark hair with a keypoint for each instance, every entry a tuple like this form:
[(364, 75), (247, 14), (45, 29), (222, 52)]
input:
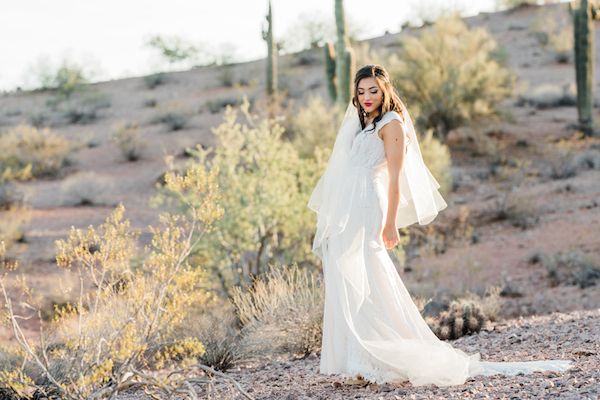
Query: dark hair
[(391, 99)]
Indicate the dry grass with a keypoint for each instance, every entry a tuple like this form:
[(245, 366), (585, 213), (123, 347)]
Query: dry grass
[(12, 224), (42, 150), (520, 210), (86, 189), (281, 313), (126, 137), (549, 96), (554, 31), (571, 267)]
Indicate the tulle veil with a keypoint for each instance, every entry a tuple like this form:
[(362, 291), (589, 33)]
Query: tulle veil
[(420, 200)]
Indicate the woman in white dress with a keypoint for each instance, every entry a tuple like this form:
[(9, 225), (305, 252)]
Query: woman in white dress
[(376, 182)]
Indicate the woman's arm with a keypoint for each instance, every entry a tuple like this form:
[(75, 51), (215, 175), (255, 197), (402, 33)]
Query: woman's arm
[(393, 142)]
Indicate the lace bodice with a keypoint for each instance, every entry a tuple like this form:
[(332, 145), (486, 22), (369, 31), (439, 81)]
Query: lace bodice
[(367, 148)]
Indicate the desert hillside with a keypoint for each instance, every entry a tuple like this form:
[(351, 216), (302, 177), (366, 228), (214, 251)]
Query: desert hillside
[(524, 204)]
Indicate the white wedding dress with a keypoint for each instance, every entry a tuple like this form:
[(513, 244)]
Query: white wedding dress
[(371, 326)]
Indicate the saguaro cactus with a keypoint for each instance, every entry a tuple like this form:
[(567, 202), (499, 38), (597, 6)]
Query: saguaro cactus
[(583, 29), (344, 56), (330, 70), (271, 54)]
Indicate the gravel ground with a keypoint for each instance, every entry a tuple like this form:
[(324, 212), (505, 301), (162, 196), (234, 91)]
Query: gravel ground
[(572, 336)]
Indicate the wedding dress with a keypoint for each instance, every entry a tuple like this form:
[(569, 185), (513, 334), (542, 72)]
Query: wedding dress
[(371, 327)]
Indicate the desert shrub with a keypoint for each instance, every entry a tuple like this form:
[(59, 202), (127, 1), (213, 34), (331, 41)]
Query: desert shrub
[(561, 163), (12, 224), (40, 150), (310, 127), (282, 312), (217, 328), (127, 138), (266, 187), (437, 158), (435, 309), (173, 49), (66, 79), (522, 3), (84, 108), (154, 80), (486, 142), (226, 75), (521, 211), (86, 189), (10, 195), (435, 239), (490, 302), (588, 159), (571, 267), (173, 118), (150, 103), (554, 31), (549, 96), (119, 333), (562, 45), (39, 119), (449, 76), (217, 105)]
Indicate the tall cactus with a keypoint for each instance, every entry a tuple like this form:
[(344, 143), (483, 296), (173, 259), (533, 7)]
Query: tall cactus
[(330, 70), (344, 56), (271, 54), (583, 29)]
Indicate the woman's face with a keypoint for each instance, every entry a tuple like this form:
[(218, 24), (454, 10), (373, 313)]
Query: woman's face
[(369, 94)]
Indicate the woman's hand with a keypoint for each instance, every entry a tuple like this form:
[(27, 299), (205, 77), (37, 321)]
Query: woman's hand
[(390, 236)]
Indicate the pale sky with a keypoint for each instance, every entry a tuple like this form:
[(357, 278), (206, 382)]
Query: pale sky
[(108, 36)]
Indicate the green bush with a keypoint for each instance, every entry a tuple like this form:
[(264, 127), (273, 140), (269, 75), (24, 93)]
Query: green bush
[(41, 150), (437, 158), (154, 80), (65, 80), (449, 76), (265, 186), (310, 127)]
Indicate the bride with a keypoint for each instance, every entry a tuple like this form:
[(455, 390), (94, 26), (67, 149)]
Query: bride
[(376, 182)]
